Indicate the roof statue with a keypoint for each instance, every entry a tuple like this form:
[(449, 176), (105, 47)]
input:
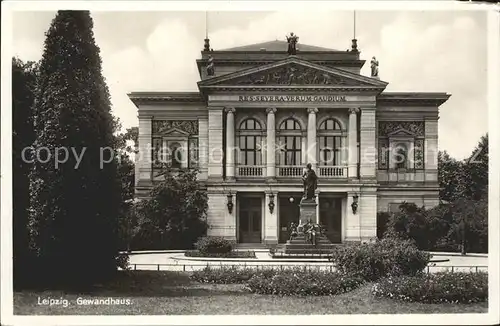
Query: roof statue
[(210, 66), (374, 66), (292, 43)]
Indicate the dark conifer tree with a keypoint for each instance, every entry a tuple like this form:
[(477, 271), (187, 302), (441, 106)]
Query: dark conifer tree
[(23, 85), (74, 204)]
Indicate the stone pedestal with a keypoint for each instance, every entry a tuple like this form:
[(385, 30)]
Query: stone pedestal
[(307, 212)]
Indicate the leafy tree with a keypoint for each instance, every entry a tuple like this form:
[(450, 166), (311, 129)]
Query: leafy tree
[(467, 178), (450, 176), (23, 86), (126, 175), (476, 171), (469, 228), (175, 215), (74, 205)]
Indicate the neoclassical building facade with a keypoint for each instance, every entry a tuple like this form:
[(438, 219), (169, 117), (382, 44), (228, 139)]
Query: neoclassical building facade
[(261, 115)]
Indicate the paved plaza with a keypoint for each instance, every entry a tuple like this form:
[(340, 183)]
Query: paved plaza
[(176, 261)]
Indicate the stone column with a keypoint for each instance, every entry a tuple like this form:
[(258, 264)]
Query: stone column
[(215, 149), (368, 168), (271, 144), (145, 143), (303, 153), (352, 153), (230, 167), (311, 137)]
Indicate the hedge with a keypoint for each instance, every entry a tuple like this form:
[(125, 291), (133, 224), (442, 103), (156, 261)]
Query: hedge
[(214, 245), (381, 258), (442, 287)]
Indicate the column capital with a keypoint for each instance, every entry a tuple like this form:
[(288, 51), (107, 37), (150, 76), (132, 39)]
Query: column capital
[(312, 110), (353, 110), (229, 109), (271, 110)]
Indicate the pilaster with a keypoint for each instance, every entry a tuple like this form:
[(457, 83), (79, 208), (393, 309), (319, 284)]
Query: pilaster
[(368, 166), (271, 219), (215, 150), (144, 158), (352, 153)]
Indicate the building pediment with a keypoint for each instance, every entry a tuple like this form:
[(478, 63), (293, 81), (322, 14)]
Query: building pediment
[(292, 72)]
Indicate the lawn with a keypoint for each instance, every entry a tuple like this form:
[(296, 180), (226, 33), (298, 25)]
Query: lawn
[(173, 293)]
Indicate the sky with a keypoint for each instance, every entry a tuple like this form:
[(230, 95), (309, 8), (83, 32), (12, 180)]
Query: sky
[(430, 51)]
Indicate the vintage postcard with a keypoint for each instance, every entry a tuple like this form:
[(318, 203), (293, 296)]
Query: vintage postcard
[(241, 162)]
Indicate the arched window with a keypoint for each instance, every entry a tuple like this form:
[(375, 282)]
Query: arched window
[(330, 143), (250, 142), (330, 124), (290, 142)]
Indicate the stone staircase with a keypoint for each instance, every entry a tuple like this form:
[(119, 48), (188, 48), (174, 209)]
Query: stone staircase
[(300, 248)]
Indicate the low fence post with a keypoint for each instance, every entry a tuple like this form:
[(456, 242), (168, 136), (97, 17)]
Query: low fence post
[(452, 269)]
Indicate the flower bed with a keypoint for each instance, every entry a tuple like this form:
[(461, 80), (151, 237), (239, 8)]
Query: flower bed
[(230, 254), (302, 282), (435, 288)]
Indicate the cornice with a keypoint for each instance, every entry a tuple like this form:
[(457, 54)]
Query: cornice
[(139, 98), (412, 98)]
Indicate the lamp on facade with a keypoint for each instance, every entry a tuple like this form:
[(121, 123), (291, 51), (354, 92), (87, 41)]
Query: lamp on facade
[(230, 204), (291, 199), (354, 204), (271, 203)]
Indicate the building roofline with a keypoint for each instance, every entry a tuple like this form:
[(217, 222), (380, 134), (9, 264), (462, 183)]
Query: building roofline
[(146, 97)]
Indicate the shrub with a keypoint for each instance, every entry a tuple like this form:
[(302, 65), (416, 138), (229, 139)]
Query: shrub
[(213, 245), (123, 261), (435, 288), (384, 257), (227, 275), (231, 254), (302, 282)]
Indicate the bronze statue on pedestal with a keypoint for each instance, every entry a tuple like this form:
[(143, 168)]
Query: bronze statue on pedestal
[(310, 180)]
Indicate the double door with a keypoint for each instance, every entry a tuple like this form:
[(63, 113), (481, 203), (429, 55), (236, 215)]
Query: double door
[(250, 220)]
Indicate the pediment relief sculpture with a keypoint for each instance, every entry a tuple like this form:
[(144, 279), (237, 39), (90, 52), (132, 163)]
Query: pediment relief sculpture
[(401, 128), (189, 127), (294, 75)]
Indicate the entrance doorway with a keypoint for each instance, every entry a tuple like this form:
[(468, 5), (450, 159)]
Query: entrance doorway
[(289, 211), (250, 220), (330, 215)]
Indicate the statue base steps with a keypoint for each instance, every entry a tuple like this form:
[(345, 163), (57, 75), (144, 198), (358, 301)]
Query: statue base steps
[(298, 247)]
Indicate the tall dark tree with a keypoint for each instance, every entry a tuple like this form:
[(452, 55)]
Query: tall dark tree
[(23, 86), (74, 204)]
